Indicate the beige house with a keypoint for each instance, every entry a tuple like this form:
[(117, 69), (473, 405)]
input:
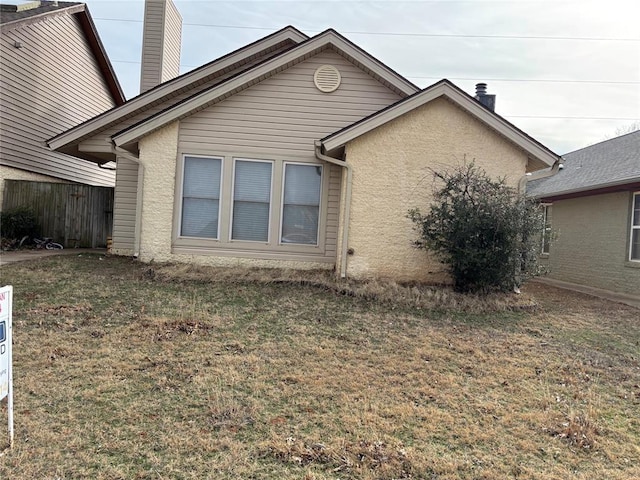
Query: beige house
[(292, 152), (592, 208), (54, 74)]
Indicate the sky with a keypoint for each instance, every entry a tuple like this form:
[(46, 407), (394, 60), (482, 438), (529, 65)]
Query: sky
[(565, 72)]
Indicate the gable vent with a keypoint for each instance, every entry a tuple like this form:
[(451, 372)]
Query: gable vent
[(327, 78)]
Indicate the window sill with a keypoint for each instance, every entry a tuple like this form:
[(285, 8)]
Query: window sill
[(632, 263), (304, 254)]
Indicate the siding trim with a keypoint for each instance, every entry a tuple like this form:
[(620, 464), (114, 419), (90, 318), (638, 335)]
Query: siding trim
[(324, 40), (173, 86)]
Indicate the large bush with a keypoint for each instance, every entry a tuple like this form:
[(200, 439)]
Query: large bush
[(485, 232), (18, 222)]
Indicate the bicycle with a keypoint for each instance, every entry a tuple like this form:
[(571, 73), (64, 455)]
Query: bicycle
[(47, 243)]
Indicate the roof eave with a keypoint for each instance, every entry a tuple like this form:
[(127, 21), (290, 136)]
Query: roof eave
[(317, 43), (155, 94), (109, 74), (632, 182), (453, 93)]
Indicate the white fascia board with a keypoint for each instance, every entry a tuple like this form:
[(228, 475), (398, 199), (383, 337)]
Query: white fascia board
[(468, 104), (167, 88), (185, 108)]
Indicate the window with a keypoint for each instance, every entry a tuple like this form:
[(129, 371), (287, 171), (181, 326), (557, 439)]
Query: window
[(634, 248), (251, 200), (546, 228), (201, 197), (301, 204)]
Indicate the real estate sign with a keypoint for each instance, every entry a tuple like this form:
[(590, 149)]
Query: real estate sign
[(6, 376)]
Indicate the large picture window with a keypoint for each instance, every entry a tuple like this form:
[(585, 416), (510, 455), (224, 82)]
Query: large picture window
[(251, 200), (201, 197), (301, 204), (634, 248)]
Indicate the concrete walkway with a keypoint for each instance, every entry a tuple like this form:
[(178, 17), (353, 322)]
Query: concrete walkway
[(631, 300), (13, 256)]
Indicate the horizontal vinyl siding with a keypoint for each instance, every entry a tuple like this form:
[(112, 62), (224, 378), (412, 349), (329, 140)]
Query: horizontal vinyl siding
[(152, 45), (172, 40), (283, 115), (124, 218), (591, 242), (333, 211), (49, 85), (102, 138)]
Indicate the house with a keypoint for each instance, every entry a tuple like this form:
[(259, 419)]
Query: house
[(293, 152), (592, 210), (54, 74)]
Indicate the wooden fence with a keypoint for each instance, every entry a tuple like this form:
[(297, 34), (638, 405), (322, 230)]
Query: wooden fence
[(72, 214)]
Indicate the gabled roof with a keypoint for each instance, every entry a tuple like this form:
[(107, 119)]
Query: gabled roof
[(443, 88), (327, 39), (608, 164), (175, 86), (14, 16)]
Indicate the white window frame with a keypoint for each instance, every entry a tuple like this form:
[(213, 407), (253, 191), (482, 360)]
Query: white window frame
[(233, 201), (632, 226), (545, 234), (181, 193)]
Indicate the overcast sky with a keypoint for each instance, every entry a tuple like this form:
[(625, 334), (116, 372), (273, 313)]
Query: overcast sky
[(566, 72)]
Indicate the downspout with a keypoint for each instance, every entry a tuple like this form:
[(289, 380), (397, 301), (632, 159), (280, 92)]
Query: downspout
[(346, 207), (121, 152), (527, 177)]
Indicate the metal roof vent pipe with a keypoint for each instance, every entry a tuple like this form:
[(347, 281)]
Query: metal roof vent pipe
[(488, 101)]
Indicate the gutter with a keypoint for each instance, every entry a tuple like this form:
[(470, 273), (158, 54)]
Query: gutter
[(547, 172), (121, 152), (347, 203)]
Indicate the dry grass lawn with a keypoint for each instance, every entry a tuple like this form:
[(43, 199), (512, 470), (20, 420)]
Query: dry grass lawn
[(131, 371)]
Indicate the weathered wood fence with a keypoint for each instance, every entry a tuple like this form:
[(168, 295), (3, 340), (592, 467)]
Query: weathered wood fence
[(72, 214)]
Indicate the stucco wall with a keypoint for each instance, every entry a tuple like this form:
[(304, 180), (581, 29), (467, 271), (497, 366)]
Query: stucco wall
[(393, 171), (591, 243), (9, 173), (158, 155)]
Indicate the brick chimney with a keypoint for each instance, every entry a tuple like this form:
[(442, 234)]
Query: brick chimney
[(488, 101), (161, 41)]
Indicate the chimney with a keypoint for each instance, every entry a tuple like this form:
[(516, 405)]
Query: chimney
[(161, 39), (488, 101)]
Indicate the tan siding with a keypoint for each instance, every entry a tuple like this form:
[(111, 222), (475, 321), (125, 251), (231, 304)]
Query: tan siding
[(101, 139), (125, 201), (46, 90), (172, 42), (333, 211), (160, 43), (591, 243), (284, 114)]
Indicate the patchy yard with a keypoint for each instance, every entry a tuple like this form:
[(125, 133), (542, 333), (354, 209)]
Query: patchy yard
[(124, 371)]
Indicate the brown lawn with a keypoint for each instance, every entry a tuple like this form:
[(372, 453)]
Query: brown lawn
[(125, 370)]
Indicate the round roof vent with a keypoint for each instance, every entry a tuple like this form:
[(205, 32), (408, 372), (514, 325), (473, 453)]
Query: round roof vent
[(327, 78)]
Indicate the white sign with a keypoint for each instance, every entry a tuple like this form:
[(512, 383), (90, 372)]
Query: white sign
[(6, 374)]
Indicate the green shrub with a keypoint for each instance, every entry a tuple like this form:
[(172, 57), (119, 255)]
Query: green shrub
[(485, 232), (18, 222)]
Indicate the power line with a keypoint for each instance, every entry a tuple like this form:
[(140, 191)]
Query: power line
[(407, 34), (526, 80)]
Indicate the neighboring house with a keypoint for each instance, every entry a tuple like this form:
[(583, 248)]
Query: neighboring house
[(54, 74), (293, 152), (592, 210)]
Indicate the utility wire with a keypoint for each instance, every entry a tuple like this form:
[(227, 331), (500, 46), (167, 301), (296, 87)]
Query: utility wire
[(406, 34), (536, 80)]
